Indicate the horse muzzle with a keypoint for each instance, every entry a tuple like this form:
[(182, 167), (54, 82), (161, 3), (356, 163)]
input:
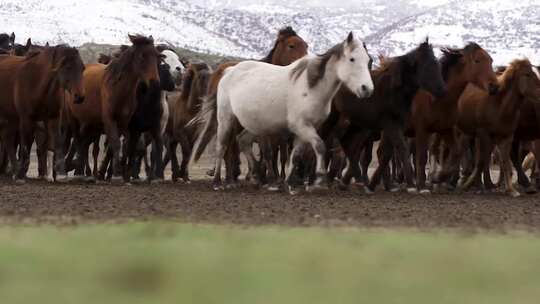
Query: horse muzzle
[(493, 89), (364, 92), (78, 99)]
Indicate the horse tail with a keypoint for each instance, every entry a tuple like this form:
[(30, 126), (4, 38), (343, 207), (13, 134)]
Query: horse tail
[(207, 119)]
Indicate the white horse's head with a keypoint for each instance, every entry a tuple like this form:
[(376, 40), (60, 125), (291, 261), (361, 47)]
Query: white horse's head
[(177, 69), (353, 67)]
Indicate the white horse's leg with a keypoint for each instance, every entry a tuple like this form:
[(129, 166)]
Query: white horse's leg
[(245, 143), (225, 119), (290, 183), (309, 135)]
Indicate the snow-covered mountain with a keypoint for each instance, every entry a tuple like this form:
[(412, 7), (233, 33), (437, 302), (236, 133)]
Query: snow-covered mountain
[(247, 28)]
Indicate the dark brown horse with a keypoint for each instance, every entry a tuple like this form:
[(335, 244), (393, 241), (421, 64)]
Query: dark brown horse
[(112, 91), (183, 110), (397, 81), (429, 115), (288, 48), (34, 89), (492, 120)]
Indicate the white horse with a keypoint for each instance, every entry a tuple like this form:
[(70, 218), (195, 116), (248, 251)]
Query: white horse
[(177, 69), (268, 100)]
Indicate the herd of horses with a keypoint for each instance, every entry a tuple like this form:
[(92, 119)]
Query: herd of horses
[(316, 119)]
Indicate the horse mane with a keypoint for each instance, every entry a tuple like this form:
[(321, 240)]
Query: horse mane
[(189, 78), (509, 74), (123, 59), (283, 33), (451, 57), (316, 67)]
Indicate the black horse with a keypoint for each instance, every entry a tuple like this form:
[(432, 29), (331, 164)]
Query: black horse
[(387, 111)]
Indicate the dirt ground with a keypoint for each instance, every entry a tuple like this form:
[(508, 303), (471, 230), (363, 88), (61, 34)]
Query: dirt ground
[(40, 202)]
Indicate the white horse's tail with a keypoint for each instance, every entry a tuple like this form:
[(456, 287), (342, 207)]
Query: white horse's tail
[(207, 119)]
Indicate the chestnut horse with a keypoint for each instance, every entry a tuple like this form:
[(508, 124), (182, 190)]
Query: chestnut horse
[(397, 81), (183, 109), (288, 48), (34, 89), (112, 92), (492, 120), (429, 115)]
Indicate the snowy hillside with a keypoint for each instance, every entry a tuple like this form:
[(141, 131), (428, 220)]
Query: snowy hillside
[(247, 28)]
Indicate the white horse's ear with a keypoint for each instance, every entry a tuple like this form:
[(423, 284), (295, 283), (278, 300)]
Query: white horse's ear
[(350, 38)]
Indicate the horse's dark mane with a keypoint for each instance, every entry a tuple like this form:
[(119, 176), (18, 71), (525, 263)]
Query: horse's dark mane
[(193, 69), (451, 57), (316, 68), (284, 33), (123, 59)]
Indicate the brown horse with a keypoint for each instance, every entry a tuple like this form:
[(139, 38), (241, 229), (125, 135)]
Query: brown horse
[(492, 120), (34, 89), (429, 115), (112, 95), (183, 109), (288, 48)]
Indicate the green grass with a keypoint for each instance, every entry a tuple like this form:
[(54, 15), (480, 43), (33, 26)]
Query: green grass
[(180, 263)]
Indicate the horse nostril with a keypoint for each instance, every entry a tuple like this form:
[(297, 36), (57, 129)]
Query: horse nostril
[(364, 88), (178, 69)]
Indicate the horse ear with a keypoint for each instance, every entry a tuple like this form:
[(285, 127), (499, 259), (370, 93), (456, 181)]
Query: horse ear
[(29, 42), (47, 44), (350, 38), (12, 38)]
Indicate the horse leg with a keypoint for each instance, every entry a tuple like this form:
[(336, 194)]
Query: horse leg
[(267, 150), (245, 143), (175, 165), (421, 157), (488, 182), (187, 150), (505, 147), (483, 153), (402, 152), (523, 180), (157, 155), (387, 151), (10, 136), (223, 137), (41, 151), (26, 137), (113, 137)]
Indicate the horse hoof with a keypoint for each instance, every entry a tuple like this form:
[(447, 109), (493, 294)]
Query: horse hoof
[(531, 190), (317, 189), (514, 194), (20, 181), (79, 178), (369, 191), (292, 191), (425, 192), (342, 186), (117, 180), (62, 179), (412, 191), (273, 188), (218, 187), (90, 180), (157, 181)]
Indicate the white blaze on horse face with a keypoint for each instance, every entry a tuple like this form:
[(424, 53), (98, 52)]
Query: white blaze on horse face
[(353, 68), (176, 66)]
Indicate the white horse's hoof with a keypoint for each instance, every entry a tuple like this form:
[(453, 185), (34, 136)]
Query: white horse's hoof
[(425, 192), (412, 191), (218, 188), (292, 191), (394, 190)]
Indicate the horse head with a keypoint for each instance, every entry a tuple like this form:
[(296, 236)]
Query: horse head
[(69, 68), (428, 74), (353, 66), (288, 48)]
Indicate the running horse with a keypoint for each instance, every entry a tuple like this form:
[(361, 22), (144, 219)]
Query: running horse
[(288, 48), (34, 89), (267, 100), (492, 119), (429, 115), (112, 92)]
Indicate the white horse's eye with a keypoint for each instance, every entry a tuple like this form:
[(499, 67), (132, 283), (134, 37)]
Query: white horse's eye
[(352, 59)]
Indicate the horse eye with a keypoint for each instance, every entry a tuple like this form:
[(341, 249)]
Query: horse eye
[(352, 59), (291, 46), (476, 61)]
